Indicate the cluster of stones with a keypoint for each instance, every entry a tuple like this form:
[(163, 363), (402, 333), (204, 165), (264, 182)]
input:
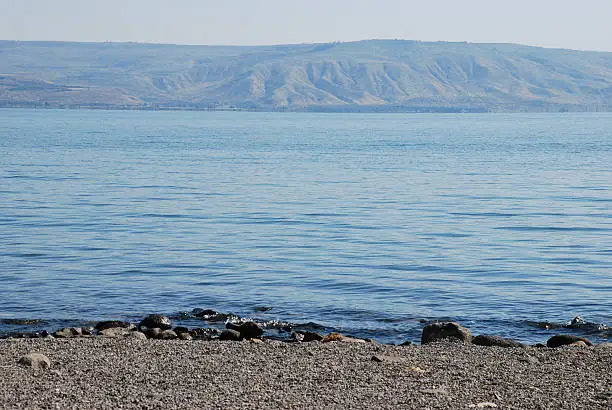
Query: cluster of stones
[(157, 326), (455, 332)]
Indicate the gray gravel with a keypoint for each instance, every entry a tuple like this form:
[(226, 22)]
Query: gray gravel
[(127, 373)]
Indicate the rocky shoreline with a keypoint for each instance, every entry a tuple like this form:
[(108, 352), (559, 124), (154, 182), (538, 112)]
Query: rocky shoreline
[(153, 364)]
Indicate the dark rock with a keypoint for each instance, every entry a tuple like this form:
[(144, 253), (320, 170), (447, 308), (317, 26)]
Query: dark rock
[(248, 330), (180, 329), (202, 334), (445, 330), (36, 361), (68, 332), (565, 340), (406, 343), (153, 333), (489, 340), (230, 334), (87, 331), (297, 336), (109, 324), (152, 321), (308, 336), (205, 313)]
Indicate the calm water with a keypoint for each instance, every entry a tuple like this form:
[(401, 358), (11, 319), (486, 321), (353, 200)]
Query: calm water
[(365, 224)]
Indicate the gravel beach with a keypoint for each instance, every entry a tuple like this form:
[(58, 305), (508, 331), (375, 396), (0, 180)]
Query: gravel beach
[(98, 372)]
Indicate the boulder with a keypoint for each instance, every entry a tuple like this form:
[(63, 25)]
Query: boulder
[(445, 331), (308, 337), (202, 333), (167, 335), (109, 324), (488, 340), (36, 361), (156, 321), (230, 334), (565, 340), (136, 335), (153, 333), (180, 329), (185, 336), (68, 332), (115, 332), (248, 330)]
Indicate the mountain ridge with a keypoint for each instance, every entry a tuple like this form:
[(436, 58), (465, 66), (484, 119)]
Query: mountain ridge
[(368, 75)]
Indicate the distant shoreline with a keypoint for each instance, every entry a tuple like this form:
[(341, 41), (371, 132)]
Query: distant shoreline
[(321, 110)]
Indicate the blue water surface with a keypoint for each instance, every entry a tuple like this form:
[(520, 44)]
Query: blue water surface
[(369, 224)]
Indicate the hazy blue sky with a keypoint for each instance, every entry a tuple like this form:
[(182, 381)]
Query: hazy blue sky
[(552, 23)]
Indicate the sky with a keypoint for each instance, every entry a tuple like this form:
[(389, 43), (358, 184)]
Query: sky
[(583, 25)]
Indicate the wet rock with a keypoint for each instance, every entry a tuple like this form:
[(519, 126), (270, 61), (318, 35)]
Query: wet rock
[(109, 324), (68, 332), (87, 331), (156, 321), (36, 361), (489, 340), (565, 340), (248, 330), (206, 314), (406, 343), (180, 329), (167, 335), (307, 337), (230, 334), (202, 334), (445, 330)]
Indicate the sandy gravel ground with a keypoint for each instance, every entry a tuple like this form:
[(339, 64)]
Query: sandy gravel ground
[(125, 373)]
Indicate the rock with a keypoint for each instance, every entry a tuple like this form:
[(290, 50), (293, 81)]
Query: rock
[(206, 313), (109, 324), (153, 333), (167, 335), (488, 340), (185, 336), (406, 343), (180, 329), (115, 332), (565, 340), (578, 343), (378, 359), (230, 334), (36, 361), (136, 335), (152, 321), (202, 334), (333, 337), (445, 330), (307, 337), (68, 332), (87, 331), (248, 330)]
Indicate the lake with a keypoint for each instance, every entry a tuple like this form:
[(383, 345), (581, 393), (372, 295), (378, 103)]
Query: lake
[(366, 224)]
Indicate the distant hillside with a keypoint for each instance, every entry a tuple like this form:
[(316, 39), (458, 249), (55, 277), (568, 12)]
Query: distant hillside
[(375, 75)]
